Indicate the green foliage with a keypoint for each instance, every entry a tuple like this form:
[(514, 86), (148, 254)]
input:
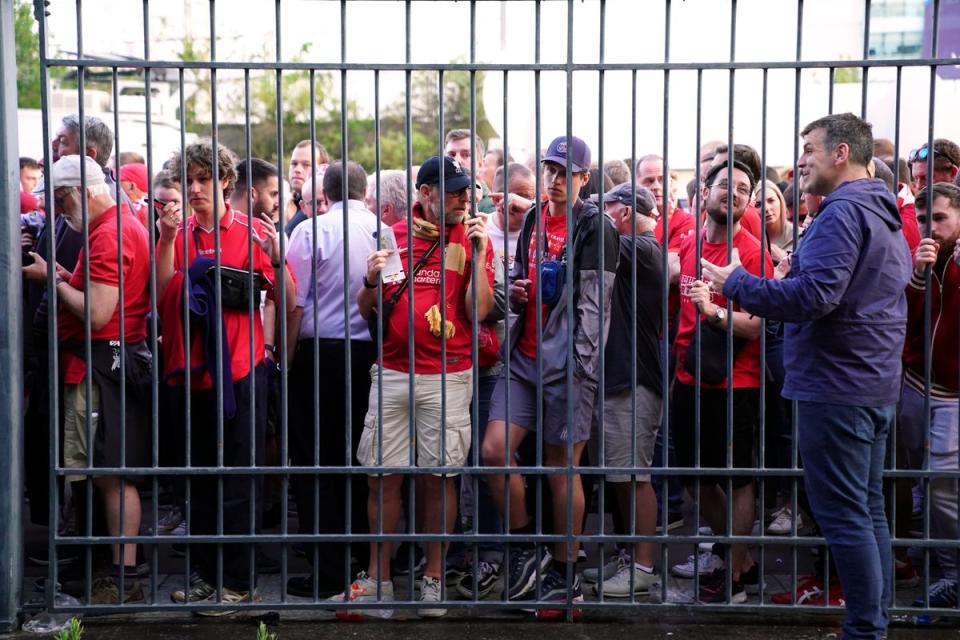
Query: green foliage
[(27, 46), (73, 632), (262, 633)]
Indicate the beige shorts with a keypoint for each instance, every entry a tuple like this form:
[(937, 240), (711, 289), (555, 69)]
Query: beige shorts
[(618, 433), (75, 448), (396, 437)]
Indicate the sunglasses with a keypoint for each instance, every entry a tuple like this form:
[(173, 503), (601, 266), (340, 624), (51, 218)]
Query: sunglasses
[(921, 154)]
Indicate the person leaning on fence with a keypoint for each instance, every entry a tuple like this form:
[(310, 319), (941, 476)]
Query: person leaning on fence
[(239, 375), (938, 253), (711, 387), (110, 424), (639, 273), (346, 234), (442, 423), (845, 311), (544, 253)]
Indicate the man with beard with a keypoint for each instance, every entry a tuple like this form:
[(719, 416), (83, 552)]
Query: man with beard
[(845, 312), (697, 299), (261, 186), (941, 206)]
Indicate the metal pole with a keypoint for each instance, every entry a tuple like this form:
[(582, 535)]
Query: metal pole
[(11, 336)]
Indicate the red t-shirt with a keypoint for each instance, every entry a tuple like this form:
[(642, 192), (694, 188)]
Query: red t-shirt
[(104, 269), (750, 221), (234, 230), (746, 366), (555, 228), (426, 293), (682, 223)]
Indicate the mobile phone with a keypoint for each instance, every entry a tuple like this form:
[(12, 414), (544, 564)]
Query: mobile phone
[(159, 204), (26, 259)]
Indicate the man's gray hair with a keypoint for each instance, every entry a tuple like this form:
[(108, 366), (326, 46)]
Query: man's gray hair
[(393, 189), (98, 136)]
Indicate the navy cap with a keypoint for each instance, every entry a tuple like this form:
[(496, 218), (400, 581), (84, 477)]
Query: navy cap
[(646, 203), (454, 177), (578, 150)]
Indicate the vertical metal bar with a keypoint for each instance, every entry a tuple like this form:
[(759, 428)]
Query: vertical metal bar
[(11, 336), (349, 297), (411, 425), (830, 89), (928, 307), (152, 319), (794, 448), (762, 441), (601, 479), (697, 413), (866, 56), (728, 587), (52, 364), (571, 198), (252, 459)]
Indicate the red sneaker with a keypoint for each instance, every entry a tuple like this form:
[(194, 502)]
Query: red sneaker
[(905, 575), (807, 587), (835, 595)]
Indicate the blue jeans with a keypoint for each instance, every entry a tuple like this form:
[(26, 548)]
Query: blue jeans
[(843, 451)]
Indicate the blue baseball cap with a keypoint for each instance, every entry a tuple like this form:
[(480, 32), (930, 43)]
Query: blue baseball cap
[(578, 150), (454, 177)]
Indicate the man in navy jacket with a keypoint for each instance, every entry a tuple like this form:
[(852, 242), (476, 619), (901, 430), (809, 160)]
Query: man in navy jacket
[(845, 312)]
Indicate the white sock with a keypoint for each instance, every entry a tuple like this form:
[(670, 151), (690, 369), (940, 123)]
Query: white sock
[(643, 568)]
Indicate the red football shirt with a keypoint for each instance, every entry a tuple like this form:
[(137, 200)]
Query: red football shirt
[(682, 223), (426, 293), (750, 222), (746, 366), (105, 269), (234, 232), (555, 228)]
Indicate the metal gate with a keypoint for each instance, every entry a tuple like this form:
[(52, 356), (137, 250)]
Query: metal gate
[(781, 559)]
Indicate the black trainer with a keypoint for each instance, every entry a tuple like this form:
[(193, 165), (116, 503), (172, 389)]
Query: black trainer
[(522, 570)]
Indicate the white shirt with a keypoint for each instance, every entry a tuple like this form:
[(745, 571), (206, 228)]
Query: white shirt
[(495, 233), (328, 323)]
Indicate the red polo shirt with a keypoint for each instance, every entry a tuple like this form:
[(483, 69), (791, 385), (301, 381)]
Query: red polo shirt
[(105, 269), (234, 234)]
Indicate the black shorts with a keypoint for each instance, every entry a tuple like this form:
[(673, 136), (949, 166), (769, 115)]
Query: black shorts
[(713, 430)]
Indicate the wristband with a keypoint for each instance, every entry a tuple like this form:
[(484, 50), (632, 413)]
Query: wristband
[(276, 265), (367, 284), (272, 348)]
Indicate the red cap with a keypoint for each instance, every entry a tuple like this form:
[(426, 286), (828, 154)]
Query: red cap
[(137, 174), (28, 203)]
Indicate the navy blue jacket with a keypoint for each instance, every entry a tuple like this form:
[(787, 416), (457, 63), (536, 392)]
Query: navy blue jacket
[(843, 303)]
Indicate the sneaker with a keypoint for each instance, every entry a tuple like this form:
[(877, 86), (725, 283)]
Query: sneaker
[(706, 562), (431, 592), (106, 590), (179, 530), (674, 521), (713, 589), (905, 575), (943, 595), (364, 589), (619, 585), (228, 596), (302, 587), (400, 565), (201, 590), (751, 580), (554, 588), (487, 575), (783, 522), (810, 592), (522, 575), (169, 521), (592, 574)]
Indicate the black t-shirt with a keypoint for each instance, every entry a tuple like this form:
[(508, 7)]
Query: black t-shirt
[(649, 287)]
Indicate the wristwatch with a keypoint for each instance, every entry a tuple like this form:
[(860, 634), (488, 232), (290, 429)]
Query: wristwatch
[(367, 284), (719, 315)]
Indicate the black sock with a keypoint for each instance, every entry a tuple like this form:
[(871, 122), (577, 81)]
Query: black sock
[(525, 530), (129, 572)]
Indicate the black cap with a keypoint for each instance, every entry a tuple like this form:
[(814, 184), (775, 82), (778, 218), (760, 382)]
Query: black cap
[(645, 203), (454, 177)]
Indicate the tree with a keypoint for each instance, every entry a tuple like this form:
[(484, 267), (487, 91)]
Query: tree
[(27, 45)]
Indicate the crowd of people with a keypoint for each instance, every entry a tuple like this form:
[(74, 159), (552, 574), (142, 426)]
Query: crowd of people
[(435, 317)]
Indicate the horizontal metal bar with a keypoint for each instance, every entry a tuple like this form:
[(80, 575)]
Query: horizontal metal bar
[(486, 66)]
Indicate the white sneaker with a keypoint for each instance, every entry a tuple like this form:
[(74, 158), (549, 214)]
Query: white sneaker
[(783, 522), (364, 589), (429, 593), (705, 562), (619, 585), (609, 570)]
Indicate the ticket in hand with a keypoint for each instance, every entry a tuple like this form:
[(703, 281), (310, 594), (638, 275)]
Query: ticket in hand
[(393, 271)]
